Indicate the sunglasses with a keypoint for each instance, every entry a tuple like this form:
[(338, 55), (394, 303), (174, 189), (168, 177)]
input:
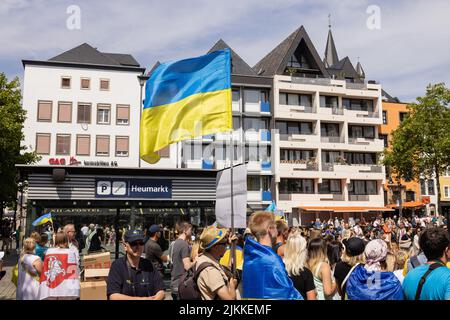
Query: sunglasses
[(136, 243)]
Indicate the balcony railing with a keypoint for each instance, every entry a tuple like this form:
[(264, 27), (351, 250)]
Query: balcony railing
[(289, 137), (295, 108), (360, 140), (331, 139), (327, 167), (285, 197), (334, 197), (358, 197), (301, 165), (370, 114), (315, 81)]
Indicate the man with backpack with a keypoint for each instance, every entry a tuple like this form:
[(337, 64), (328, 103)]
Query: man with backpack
[(207, 279), (431, 281)]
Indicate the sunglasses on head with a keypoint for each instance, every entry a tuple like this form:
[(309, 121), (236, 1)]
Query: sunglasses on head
[(136, 243)]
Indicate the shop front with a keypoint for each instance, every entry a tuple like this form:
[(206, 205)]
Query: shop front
[(116, 199)]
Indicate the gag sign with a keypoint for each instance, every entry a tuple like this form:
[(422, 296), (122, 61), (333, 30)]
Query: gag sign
[(134, 188)]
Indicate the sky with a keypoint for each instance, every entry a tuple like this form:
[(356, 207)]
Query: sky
[(402, 44)]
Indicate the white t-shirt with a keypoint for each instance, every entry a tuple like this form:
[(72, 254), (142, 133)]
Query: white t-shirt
[(27, 285), (84, 230)]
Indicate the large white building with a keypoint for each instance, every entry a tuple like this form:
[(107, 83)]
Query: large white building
[(83, 107), (326, 145)]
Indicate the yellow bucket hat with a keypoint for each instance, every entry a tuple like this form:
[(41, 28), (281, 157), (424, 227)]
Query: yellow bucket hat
[(212, 235)]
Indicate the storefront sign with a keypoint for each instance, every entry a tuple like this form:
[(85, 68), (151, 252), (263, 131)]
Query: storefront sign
[(72, 161), (134, 188)]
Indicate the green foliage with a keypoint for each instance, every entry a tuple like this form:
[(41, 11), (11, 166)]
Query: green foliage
[(421, 144), (12, 117)]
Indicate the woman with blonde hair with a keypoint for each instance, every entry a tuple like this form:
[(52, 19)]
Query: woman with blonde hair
[(318, 264), (295, 255), (30, 268)]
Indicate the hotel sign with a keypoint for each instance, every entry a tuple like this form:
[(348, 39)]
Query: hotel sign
[(134, 188)]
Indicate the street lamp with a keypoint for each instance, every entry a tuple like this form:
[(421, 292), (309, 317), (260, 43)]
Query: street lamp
[(400, 201), (20, 186), (142, 80)]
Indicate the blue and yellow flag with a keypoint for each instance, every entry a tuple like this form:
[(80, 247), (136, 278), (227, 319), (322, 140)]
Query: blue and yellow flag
[(186, 99), (43, 220)]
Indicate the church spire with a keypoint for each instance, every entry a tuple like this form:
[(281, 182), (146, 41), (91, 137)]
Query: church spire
[(360, 70), (331, 56)]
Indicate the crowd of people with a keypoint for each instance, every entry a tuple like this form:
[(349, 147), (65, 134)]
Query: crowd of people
[(383, 259)]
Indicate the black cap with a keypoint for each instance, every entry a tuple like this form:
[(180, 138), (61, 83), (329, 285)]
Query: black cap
[(354, 246), (154, 228), (133, 235)]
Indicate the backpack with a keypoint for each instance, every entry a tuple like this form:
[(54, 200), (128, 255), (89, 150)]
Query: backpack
[(187, 287)]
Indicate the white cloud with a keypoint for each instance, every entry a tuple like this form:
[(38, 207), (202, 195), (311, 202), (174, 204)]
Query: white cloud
[(411, 49)]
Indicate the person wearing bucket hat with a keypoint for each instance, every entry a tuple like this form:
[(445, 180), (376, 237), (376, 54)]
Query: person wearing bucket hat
[(132, 277), (212, 280), (352, 256)]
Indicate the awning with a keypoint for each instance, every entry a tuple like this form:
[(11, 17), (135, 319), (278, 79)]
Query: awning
[(409, 204), (345, 209)]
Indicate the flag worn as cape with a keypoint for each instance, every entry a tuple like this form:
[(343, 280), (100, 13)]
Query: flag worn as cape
[(264, 274), (365, 285), (59, 277)]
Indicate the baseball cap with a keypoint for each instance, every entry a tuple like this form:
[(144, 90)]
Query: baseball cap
[(154, 228), (133, 235), (354, 246), (211, 236)]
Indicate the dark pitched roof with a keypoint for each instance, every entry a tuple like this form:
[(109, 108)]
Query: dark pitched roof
[(344, 68), (360, 71), (388, 98), (331, 56), (238, 65), (276, 60), (86, 54)]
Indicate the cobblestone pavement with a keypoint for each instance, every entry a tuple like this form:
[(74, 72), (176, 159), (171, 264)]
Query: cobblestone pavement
[(7, 288)]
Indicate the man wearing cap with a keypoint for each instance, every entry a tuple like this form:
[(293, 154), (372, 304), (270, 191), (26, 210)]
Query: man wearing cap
[(351, 257), (212, 282), (153, 251), (132, 277)]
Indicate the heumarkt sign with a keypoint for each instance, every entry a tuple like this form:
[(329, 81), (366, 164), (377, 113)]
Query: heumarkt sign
[(134, 188)]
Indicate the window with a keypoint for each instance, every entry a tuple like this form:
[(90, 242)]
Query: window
[(123, 114), (65, 82), (256, 153), (83, 145), (43, 143), (423, 189), (85, 83), (361, 132), (384, 137), (294, 127), (298, 62), (255, 124), (103, 113), (104, 84), (236, 123), (328, 102), (63, 144), (265, 183), (402, 116), (102, 146), (65, 112), (360, 158), (330, 186), (358, 104), (253, 183), (297, 186), (84, 113), (164, 152), (410, 196), (384, 117), (251, 97), (330, 156), (293, 154), (294, 99), (122, 146), (329, 129), (446, 191), (44, 112), (236, 97), (362, 187), (431, 187)]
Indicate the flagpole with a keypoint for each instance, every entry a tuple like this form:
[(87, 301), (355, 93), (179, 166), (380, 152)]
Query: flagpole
[(233, 244)]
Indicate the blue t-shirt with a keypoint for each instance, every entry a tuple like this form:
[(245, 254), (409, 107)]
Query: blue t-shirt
[(436, 287), (40, 251)]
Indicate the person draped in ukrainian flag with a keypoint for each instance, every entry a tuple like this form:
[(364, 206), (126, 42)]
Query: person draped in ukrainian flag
[(186, 99), (264, 274)]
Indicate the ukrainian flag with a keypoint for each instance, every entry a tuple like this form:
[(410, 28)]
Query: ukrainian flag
[(186, 99), (43, 220)]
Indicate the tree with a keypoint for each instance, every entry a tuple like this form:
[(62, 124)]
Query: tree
[(421, 144), (12, 118)]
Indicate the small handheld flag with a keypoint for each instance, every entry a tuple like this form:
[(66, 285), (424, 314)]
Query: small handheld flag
[(43, 220), (186, 99)]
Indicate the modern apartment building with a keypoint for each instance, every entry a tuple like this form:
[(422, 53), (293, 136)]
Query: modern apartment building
[(326, 146), (417, 196)]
